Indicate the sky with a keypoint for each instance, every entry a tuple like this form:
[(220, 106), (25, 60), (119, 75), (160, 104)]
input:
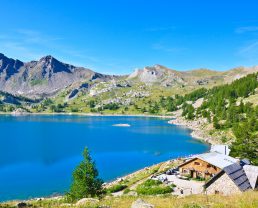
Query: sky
[(118, 36)]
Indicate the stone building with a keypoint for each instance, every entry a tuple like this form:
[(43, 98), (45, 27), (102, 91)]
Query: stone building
[(230, 180)]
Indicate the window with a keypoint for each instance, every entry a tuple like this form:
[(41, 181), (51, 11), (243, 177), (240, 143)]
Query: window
[(196, 163), (216, 192), (185, 171)]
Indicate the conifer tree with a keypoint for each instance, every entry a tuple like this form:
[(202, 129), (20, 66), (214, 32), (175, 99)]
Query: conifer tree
[(85, 180)]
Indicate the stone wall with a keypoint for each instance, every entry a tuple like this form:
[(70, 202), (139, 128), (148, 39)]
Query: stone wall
[(223, 185)]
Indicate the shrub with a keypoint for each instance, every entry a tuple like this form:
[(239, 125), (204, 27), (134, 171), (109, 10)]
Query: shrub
[(150, 183), (126, 191), (153, 187), (154, 190), (116, 188)]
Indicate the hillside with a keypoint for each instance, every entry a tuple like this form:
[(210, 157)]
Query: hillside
[(77, 86), (246, 200)]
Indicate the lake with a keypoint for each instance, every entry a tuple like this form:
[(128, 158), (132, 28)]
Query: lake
[(38, 153)]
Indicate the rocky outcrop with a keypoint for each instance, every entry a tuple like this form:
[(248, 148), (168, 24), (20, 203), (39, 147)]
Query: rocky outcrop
[(139, 203), (86, 201), (157, 74)]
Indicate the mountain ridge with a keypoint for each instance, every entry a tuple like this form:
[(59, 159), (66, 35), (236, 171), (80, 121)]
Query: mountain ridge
[(48, 76)]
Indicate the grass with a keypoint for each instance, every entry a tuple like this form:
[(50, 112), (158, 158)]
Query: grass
[(153, 187), (38, 82), (245, 200), (116, 188)]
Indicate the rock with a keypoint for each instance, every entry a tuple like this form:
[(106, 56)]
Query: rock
[(19, 111), (132, 193), (65, 205), (22, 205), (202, 82), (139, 203), (86, 201), (73, 93)]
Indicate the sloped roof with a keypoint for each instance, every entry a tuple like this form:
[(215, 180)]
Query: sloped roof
[(236, 173), (251, 172), (219, 160), (238, 176)]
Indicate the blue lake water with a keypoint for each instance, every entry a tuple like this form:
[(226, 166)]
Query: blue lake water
[(39, 153)]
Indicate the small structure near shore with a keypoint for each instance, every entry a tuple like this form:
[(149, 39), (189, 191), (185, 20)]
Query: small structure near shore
[(206, 165), (220, 148), (230, 180)]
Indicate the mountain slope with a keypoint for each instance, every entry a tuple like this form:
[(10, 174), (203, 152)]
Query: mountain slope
[(161, 75), (41, 78), (49, 77)]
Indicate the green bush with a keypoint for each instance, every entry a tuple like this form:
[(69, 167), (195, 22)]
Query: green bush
[(153, 187), (126, 191), (116, 188), (154, 190), (150, 183)]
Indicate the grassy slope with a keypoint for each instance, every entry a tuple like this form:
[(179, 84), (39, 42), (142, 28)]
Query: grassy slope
[(246, 200)]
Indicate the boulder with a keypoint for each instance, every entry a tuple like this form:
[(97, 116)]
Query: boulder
[(86, 201), (132, 193), (139, 203)]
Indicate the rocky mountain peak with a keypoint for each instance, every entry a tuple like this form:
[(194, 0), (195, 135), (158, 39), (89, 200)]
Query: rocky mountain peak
[(51, 63), (48, 60), (2, 55), (9, 66)]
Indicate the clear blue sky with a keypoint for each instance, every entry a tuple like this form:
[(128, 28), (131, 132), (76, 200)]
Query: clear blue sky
[(118, 36)]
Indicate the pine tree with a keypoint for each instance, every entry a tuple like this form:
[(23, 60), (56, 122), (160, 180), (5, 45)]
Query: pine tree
[(246, 142), (216, 124), (85, 180)]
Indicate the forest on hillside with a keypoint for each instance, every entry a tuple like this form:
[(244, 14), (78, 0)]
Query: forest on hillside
[(224, 107)]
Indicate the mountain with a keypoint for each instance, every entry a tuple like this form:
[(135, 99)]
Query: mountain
[(46, 77), (161, 75)]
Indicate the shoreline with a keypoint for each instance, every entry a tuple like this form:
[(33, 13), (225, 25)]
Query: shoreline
[(87, 114), (197, 133), (198, 127)]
